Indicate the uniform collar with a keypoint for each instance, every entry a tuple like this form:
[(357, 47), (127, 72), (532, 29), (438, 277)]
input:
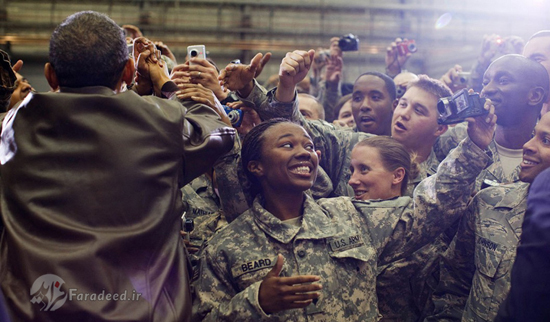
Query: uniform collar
[(316, 224)]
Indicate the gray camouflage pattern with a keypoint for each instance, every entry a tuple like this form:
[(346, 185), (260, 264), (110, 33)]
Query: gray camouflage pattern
[(493, 174), (199, 198), (476, 270), (342, 240)]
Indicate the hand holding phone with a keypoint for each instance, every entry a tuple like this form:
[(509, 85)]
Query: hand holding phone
[(196, 51)]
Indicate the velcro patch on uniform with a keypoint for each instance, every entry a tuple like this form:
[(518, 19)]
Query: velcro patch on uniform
[(251, 266), (340, 244), (484, 242)]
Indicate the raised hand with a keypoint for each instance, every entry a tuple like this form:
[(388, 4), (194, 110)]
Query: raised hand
[(239, 77), (395, 60), (294, 68)]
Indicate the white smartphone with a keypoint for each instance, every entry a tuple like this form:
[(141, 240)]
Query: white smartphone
[(198, 51)]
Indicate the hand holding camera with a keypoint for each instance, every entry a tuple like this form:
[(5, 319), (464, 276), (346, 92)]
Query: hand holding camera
[(397, 55), (481, 128), (200, 71), (462, 105), (455, 78)]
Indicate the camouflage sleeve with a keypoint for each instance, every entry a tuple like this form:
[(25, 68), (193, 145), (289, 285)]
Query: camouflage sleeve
[(232, 183), (457, 270), (450, 140), (328, 98), (267, 106), (215, 298), (438, 202)]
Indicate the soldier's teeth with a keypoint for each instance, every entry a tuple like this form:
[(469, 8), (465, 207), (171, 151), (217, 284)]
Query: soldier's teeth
[(529, 162), (301, 170)]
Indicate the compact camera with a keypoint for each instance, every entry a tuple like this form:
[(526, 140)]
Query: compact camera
[(462, 78), (235, 115), (198, 51), (349, 42), (461, 105), (405, 47)]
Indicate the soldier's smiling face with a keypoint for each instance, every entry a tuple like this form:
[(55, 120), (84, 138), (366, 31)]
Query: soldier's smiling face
[(288, 159), (536, 152), (369, 177)]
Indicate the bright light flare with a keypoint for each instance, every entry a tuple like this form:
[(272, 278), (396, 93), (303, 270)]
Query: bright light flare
[(443, 21)]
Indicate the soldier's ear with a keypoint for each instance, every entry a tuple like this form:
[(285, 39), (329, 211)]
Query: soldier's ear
[(398, 175), (256, 168), (441, 128), (536, 96)]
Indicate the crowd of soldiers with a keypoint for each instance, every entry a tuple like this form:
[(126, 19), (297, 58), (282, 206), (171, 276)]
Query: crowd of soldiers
[(317, 205)]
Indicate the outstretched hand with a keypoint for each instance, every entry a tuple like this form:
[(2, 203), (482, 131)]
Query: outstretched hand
[(284, 293), (239, 77), (200, 94)]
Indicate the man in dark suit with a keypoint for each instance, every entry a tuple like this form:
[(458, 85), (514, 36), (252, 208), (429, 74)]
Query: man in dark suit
[(90, 184)]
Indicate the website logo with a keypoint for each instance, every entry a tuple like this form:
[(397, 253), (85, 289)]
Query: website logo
[(46, 291)]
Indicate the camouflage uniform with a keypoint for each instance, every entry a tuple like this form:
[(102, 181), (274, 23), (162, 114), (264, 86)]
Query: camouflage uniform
[(426, 169), (340, 239), (492, 175), (200, 198), (476, 270)]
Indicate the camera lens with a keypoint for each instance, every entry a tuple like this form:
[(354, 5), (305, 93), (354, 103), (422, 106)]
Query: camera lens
[(412, 47), (194, 53)]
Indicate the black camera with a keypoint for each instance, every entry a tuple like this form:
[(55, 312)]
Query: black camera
[(349, 43), (461, 105)]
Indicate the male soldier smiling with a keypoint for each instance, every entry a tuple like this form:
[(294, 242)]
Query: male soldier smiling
[(475, 276)]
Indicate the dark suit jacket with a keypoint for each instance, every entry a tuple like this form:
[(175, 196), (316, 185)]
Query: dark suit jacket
[(529, 298), (90, 194)]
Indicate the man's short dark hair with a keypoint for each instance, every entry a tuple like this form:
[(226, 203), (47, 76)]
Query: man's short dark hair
[(390, 85), (542, 33), (88, 49)]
